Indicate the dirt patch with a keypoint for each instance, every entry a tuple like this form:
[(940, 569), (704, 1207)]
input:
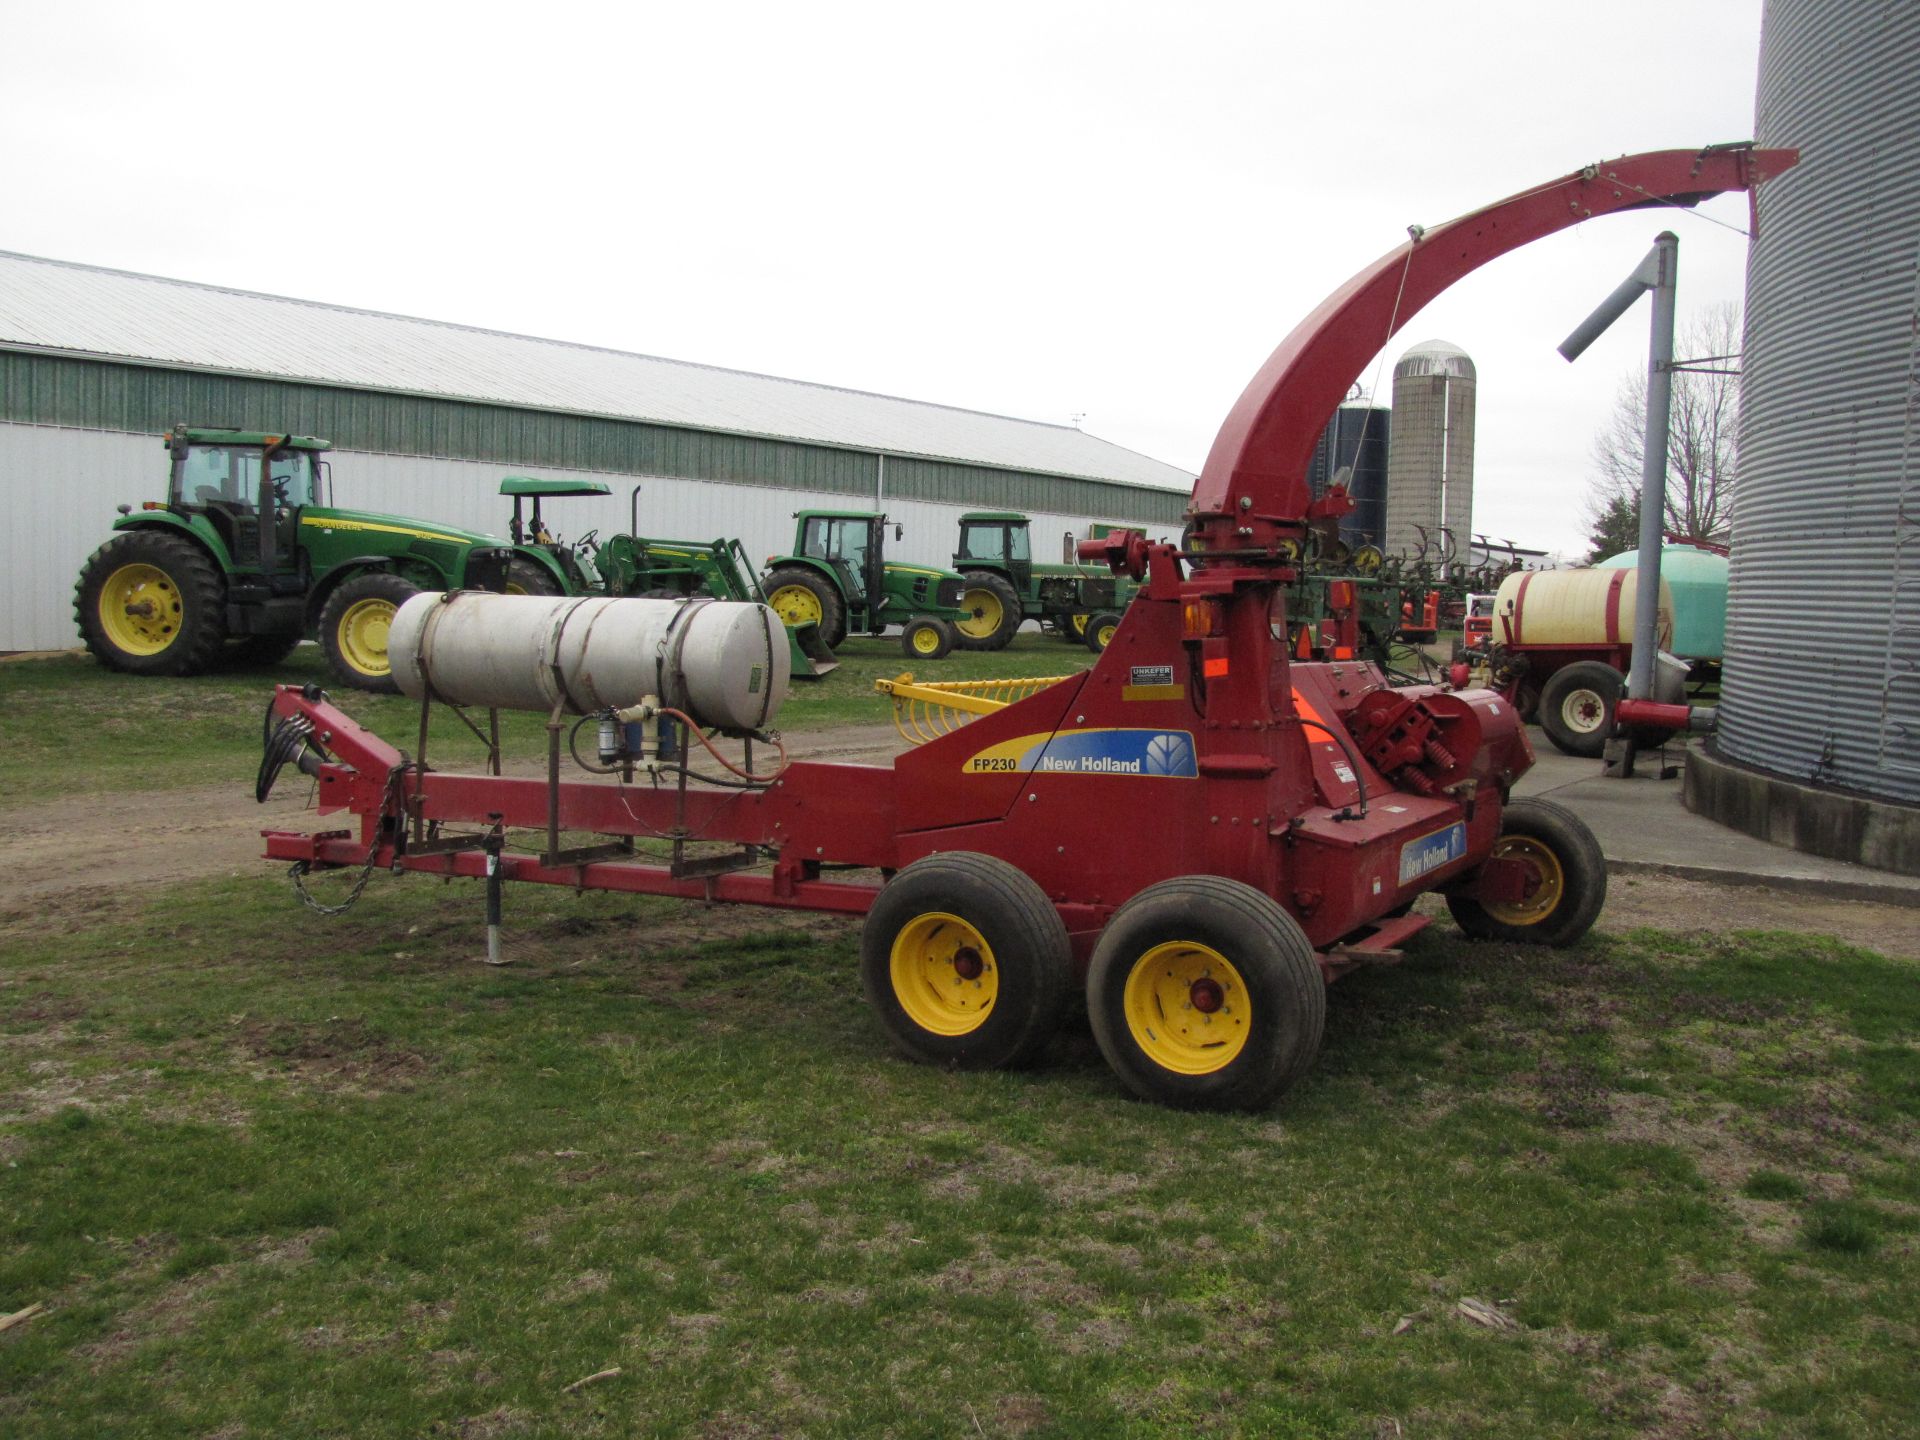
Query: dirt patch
[(1667, 902), (337, 1054)]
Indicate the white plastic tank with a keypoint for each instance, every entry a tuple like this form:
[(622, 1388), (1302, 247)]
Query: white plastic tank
[(726, 663), (1573, 607)]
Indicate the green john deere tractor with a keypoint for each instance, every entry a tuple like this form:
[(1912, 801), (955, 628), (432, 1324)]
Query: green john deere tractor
[(246, 557), (1005, 586), (634, 565), (839, 579)]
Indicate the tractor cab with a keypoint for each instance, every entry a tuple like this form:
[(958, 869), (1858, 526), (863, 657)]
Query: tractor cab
[(996, 540), (853, 544), (529, 526), (250, 488)]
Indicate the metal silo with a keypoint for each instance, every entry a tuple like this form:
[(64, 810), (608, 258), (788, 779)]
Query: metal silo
[(1430, 464), (1821, 705), (1356, 439)]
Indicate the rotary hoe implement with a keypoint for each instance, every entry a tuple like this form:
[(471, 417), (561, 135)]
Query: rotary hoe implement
[(1200, 830)]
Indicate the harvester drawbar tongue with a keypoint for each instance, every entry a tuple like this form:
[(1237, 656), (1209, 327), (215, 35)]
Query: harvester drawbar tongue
[(1197, 830)]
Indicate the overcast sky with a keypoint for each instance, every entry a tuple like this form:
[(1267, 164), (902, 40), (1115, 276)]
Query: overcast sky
[(1050, 210)]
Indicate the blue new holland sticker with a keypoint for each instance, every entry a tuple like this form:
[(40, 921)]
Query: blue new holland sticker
[(1431, 852), (1092, 752)]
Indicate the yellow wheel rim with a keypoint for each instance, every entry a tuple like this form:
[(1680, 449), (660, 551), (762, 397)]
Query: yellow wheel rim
[(514, 588), (944, 974), (1549, 882), (363, 635), (985, 614), (1080, 624), (1105, 634), (926, 641), (141, 610), (796, 605), (1187, 1008)]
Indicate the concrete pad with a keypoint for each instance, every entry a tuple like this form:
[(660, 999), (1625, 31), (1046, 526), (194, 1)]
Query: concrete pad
[(1642, 826)]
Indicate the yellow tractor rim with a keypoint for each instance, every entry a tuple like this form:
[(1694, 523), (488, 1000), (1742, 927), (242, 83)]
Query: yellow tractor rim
[(141, 610), (1187, 1008), (944, 974), (985, 613), (926, 641), (796, 605), (1543, 895), (363, 635), (513, 588), (1105, 634), (1080, 624)]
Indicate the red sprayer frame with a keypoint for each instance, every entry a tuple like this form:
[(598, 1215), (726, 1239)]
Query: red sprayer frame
[(1193, 746)]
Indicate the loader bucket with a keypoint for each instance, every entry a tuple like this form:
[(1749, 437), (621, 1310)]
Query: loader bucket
[(812, 660)]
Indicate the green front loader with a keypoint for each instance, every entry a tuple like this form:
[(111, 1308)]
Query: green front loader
[(247, 556), (839, 579), (636, 565), (1005, 586)]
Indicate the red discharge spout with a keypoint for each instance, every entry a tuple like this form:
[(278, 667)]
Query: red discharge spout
[(1258, 464)]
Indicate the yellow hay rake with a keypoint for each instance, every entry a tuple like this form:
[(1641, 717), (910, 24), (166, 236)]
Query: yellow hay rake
[(923, 712)]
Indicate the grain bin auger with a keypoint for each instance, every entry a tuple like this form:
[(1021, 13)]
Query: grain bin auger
[(1294, 811)]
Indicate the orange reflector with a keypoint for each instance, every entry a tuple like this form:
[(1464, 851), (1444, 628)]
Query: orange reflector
[(1343, 652), (1214, 669), (1199, 618), (152, 505), (1340, 595), (1303, 644)]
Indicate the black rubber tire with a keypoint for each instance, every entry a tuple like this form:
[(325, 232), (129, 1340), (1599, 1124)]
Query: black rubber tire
[(195, 594), (1010, 613), (1569, 694), (833, 612), (248, 651), (1583, 872), (1029, 950), (529, 577), (943, 638), (377, 585), (1286, 993), (1100, 630)]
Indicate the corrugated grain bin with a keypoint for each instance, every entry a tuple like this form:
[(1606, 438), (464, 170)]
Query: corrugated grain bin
[(1697, 580)]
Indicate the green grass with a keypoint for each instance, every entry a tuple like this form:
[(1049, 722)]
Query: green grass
[(272, 1175), (69, 726)]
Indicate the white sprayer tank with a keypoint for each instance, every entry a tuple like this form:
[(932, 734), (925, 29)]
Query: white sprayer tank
[(1573, 607), (724, 662)]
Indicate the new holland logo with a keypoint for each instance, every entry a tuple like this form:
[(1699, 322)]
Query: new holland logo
[(1091, 752), (1430, 852)]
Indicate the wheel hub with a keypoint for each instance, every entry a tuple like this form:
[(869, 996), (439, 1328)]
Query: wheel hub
[(1206, 996), (967, 963)]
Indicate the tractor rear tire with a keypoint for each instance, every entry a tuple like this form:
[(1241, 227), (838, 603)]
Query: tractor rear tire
[(966, 963), (1204, 994), (797, 595), (993, 612), (149, 603), (1569, 879), (353, 629), (927, 638), (1576, 707), (525, 577), (1100, 630)]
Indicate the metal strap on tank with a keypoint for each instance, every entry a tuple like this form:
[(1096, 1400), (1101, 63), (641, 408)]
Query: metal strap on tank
[(766, 693), (425, 647), (666, 661), (554, 637)]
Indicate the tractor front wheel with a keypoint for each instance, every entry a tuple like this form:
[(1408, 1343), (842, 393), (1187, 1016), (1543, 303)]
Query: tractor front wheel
[(1099, 632), (525, 577), (1205, 994), (992, 612), (800, 596), (926, 638), (353, 629), (1566, 879), (150, 603), (966, 962)]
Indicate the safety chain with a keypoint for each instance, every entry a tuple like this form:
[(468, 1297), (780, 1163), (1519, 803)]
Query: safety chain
[(300, 869)]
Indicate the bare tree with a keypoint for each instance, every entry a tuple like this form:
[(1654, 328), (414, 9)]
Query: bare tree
[(1701, 440)]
